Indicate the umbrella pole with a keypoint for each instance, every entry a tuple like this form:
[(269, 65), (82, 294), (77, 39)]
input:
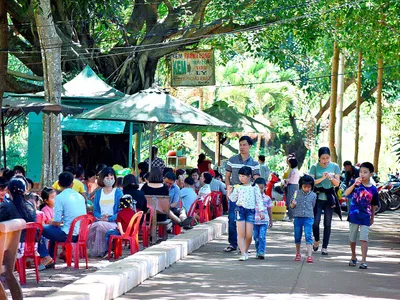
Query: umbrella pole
[(3, 137), (152, 125), (130, 145), (137, 149)]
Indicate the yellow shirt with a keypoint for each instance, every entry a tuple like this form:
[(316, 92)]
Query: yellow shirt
[(77, 186)]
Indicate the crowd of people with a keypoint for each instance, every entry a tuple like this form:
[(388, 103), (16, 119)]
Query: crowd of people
[(113, 201)]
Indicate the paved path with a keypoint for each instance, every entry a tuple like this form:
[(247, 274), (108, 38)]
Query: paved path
[(211, 274)]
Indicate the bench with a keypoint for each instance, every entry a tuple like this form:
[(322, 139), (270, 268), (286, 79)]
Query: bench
[(10, 232), (161, 205)]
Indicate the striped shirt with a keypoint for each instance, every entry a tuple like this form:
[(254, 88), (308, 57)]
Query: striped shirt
[(236, 162), (217, 186)]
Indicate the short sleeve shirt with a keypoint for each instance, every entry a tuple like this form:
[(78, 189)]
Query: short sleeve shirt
[(188, 196), (77, 186), (360, 207), (317, 171), (236, 162), (174, 194), (267, 204)]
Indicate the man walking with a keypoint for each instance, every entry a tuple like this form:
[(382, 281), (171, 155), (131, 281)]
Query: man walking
[(232, 178)]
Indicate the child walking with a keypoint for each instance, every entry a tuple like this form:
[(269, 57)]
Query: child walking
[(261, 226), (246, 197), (302, 206), (365, 198), (124, 216)]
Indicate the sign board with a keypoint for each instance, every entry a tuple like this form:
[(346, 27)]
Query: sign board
[(193, 68)]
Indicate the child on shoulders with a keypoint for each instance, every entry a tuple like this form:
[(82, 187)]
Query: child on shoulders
[(365, 198), (261, 226), (302, 205)]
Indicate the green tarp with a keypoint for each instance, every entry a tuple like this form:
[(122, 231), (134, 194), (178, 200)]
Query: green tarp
[(92, 126)]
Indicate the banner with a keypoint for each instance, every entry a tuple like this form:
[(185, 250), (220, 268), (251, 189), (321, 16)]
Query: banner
[(193, 68)]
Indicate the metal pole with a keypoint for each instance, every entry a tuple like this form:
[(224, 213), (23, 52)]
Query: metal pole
[(137, 149), (199, 133), (130, 145), (152, 125)]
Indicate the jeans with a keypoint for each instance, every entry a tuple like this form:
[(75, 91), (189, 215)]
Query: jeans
[(232, 232), (260, 236), (291, 188), (299, 223), (42, 249), (328, 212), (111, 232), (55, 234)]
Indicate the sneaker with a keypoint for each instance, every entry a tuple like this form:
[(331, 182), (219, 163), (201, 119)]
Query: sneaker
[(363, 266), (247, 256), (243, 258), (353, 262), (324, 251), (298, 257), (309, 259), (41, 267), (286, 219), (261, 256), (230, 248)]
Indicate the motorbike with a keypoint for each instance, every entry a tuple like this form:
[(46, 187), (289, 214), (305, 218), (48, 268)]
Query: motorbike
[(389, 194)]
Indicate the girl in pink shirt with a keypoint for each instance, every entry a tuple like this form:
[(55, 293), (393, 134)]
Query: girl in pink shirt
[(48, 197), (292, 185)]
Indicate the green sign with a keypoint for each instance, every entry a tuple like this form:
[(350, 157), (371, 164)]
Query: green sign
[(193, 68)]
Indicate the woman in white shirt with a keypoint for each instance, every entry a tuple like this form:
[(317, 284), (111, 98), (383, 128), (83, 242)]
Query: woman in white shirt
[(292, 185), (205, 180), (105, 211)]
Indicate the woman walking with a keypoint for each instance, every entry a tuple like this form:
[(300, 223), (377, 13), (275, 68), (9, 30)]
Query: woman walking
[(326, 175)]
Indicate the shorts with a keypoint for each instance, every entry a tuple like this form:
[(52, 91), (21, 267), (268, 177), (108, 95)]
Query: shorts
[(364, 231), (244, 214)]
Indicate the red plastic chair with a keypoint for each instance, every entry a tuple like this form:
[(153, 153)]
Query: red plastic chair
[(80, 250), (217, 207), (176, 229), (33, 232), (131, 234), (146, 227), (205, 210)]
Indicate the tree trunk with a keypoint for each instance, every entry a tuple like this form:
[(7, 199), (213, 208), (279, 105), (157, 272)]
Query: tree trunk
[(378, 115), (51, 59), (3, 55), (332, 111), (259, 136), (358, 105), (339, 110)]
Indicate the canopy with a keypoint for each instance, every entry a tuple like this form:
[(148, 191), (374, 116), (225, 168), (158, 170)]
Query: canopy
[(153, 106), (239, 121), (92, 126)]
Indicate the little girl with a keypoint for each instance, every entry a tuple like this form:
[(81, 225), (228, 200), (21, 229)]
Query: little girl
[(261, 226), (302, 206), (48, 197), (246, 197)]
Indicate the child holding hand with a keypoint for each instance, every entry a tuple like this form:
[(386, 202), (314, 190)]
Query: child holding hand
[(302, 206), (246, 197)]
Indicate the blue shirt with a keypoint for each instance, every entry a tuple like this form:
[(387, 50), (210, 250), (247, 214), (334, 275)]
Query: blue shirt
[(188, 196), (174, 194), (68, 205), (360, 208)]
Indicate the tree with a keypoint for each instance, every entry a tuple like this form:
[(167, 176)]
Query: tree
[(3, 56), (333, 101), (378, 115), (358, 105), (51, 59)]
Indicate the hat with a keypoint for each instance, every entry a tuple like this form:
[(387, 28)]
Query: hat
[(126, 201)]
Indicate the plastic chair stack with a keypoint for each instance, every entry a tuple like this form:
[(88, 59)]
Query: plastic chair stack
[(79, 247), (33, 232), (131, 234)]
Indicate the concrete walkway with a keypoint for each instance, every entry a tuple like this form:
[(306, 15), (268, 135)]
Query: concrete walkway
[(208, 273)]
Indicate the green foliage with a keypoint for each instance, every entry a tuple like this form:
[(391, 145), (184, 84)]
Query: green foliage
[(16, 143)]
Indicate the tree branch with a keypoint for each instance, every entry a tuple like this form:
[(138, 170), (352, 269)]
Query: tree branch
[(352, 106), (324, 108)]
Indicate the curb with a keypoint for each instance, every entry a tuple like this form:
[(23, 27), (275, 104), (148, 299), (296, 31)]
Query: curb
[(125, 274)]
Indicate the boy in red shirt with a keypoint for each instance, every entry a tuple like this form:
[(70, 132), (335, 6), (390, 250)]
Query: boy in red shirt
[(127, 211)]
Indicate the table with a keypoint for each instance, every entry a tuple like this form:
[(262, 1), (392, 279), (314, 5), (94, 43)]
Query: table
[(161, 205), (10, 232)]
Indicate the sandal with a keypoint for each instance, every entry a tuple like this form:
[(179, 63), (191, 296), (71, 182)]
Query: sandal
[(363, 266), (230, 248), (309, 259), (353, 262), (298, 257)]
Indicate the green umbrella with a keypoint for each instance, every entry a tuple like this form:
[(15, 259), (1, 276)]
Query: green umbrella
[(239, 121), (153, 106)]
